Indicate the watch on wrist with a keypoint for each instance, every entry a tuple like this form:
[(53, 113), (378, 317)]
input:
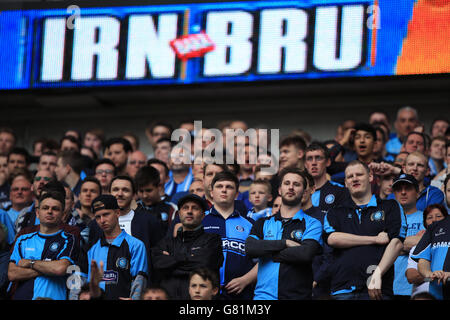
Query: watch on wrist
[(32, 263)]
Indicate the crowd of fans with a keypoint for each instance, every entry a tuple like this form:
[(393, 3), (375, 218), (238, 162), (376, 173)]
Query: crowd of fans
[(359, 216)]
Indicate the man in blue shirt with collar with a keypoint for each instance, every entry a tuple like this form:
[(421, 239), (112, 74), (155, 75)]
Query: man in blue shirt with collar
[(238, 272), (367, 236), (406, 190), (40, 259), (286, 244), (124, 257), (327, 194)]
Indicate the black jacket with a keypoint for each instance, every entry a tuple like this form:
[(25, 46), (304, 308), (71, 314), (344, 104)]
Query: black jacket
[(188, 251)]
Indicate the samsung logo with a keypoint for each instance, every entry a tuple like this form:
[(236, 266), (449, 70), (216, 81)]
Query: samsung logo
[(443, 244)]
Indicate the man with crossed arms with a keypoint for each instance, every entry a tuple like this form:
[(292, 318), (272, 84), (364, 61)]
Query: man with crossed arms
[(367, 235)]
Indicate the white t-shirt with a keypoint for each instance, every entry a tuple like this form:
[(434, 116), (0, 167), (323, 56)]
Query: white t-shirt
[(413, 265), (125, 222)]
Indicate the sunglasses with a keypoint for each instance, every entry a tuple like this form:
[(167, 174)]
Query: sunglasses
[(43, 178)]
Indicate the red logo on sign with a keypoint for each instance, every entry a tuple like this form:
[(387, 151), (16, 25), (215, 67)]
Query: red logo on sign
[(192, 45)]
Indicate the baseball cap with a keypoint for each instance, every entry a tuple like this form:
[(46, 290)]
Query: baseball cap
[(104, 201), (195, 198), (405, 178)]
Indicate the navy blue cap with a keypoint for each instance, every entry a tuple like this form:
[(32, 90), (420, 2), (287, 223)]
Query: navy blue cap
[(195, 198), (105, 201), (405, 178)]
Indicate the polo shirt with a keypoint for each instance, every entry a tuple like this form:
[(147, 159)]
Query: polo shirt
[(401, 284), (352, 266), (234, 232), (283, 280), (47, 247), (124, 259), (433, 246)]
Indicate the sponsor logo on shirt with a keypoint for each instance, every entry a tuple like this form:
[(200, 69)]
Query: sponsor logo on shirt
[(440, 232), (442, 244), (269, 234), (211, 227), (110, 277), (233, 245)]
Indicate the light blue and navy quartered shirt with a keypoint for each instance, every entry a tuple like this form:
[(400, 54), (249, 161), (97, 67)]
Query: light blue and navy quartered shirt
[(256, 215), (352, 266), (287, 278), (45, 247), (434, 247), (123, 260), (401, 284), (234, 232)]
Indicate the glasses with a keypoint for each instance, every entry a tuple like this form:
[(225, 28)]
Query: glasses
[(100, 172), (43, 178)]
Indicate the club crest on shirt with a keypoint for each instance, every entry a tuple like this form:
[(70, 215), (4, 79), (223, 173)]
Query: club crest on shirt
[(54, 246), (240, 228), (377, 216), (122, 263), (329, 199), (164, 216), (297, 234)]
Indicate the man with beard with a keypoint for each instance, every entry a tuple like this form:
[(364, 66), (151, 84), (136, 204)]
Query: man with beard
[(286, 244)]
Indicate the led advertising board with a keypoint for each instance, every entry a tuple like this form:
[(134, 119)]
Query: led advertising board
[(250, 41)]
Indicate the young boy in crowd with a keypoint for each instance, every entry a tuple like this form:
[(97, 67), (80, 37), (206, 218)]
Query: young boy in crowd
[(260, 194), (203, 284), (147, 182)]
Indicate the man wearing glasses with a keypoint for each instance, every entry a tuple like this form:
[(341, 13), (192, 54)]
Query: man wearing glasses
[(27, 216), (328, 194), (21, 197), (105, 170), (136, 160)]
